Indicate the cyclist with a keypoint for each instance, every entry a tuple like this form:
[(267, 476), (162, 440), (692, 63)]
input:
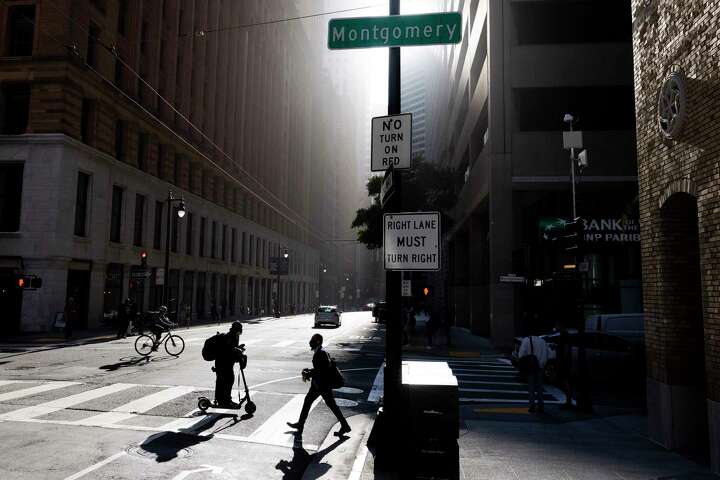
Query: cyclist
[(161, 323)]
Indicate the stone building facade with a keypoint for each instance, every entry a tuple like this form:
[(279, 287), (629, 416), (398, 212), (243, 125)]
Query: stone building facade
[(108, 105), (677, 90)]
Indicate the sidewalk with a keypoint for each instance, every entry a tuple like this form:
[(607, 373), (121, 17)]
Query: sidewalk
[(504, 442), (107, 333)]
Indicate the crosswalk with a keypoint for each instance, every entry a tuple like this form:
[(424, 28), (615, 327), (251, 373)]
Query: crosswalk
[(490, 379), (155, 408)]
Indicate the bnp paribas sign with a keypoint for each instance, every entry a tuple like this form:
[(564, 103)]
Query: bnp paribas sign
[(395, 31)]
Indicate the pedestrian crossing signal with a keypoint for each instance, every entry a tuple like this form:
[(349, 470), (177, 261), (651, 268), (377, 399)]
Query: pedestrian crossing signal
[(21, 282), (143, 259)]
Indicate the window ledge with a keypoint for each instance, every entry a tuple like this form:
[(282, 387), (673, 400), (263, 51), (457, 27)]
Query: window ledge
[(11, 234), (80, 239)]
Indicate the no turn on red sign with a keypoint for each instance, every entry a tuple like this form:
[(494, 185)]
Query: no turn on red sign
[(391, 142), (411, 241)]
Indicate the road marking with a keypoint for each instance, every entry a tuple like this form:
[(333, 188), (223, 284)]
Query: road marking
[(492, 390), (8, 382), (502, 400), (378, 385), (490, 382), (486, 370), (62, 403), (203, 468), (26, 392), (358, 464), (253, 341), (92, 468), (488, 375), (275, 430), (284, 343), (132, 409)]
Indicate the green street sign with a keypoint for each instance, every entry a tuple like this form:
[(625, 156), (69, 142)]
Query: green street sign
[(395, 31)]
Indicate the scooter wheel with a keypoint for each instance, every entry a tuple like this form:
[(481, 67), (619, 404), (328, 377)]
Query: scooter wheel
[(250, 407), (204, 403)]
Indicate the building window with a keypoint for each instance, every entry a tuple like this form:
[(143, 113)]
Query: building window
[(243, 249), (11, 179), (189, 234), (191, 179), (142, 151), (120, 140), (157, 235), (258, 261), (116, 214), (233, 249), (92, 45), (176, 173), (213, 240), (251, 248), (175, 230), (81, 204), (223, 250), (201, 241), (264, 254), (21, 30), (99, 4), (139, 220), (122, 17), (160, 164), (119, 72), (87, 121), (15, 105)]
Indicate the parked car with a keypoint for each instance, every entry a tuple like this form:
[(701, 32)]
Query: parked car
[(607, 354), (328, 315), (379, 312), (629, 326)]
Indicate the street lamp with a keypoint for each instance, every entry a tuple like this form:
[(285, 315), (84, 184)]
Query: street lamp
[(277, 282), (181, 213)]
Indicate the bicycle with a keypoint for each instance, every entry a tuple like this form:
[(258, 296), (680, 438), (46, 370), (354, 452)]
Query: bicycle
[(146, 344)]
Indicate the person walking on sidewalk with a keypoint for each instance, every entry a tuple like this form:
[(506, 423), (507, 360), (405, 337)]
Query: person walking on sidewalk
[(71, 315), (533, 356), (127, 311), (319, 377)]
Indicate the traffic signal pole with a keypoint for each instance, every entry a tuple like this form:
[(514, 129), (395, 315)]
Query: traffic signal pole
[(393, 332)]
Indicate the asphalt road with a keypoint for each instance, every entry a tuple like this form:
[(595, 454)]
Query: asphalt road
[(100, 411)]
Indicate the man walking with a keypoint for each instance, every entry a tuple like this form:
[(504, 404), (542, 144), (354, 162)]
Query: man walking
[(227, 355), (319, 387), (533, 356), (126, 313)]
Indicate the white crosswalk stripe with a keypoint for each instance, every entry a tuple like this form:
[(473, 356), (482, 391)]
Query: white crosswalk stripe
[(141, 405), (27, 392), (63, 403), (145, 413), (284, 343)]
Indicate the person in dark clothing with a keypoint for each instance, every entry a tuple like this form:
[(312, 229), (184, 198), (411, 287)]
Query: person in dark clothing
[(563, 362), (228, 354), (214, 314), (126, 314), (161, 322), (71, 315), (319, 387)]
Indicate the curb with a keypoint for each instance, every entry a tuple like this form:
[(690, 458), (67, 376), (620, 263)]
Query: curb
[(343, 461)]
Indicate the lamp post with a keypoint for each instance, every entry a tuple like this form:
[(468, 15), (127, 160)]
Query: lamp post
[(277, 282), (181, 213)]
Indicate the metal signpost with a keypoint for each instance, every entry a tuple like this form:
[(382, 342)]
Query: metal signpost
[(395, 31)]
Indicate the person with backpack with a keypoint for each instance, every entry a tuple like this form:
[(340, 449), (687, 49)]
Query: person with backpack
[(324, 376), (223, 349), (127, 311), (532, 356)]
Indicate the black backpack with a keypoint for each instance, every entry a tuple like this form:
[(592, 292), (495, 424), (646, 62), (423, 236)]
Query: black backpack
[(335, 376), (212, 346)]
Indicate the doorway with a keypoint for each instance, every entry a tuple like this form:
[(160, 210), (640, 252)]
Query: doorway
[(78, 287)]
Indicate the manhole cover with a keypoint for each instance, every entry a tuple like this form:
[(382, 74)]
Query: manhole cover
[(349, 390), (165, 447), (344, 402)]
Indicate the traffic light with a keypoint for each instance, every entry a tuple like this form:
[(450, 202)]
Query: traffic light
[(427, 291), (572, 235), (143, 259), (21, 282)]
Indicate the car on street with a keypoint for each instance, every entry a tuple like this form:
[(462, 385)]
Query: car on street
[(630, 326), (328, 315)]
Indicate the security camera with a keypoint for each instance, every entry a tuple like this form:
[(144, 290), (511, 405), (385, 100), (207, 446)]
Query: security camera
[(568, 118)]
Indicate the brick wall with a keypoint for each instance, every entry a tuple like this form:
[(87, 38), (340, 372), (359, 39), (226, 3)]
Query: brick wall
[(680, 34)]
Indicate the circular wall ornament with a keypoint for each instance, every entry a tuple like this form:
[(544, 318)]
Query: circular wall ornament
[(671, 108)]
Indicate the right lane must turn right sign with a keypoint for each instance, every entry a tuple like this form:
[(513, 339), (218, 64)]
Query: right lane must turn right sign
[(412, 241)]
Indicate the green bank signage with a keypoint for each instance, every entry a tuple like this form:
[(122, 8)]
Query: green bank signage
[(395, 31)]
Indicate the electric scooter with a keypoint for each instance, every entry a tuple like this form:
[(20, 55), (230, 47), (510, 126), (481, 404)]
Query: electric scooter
[(205, 404)]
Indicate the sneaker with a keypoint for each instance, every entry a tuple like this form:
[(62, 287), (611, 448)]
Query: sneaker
[(229, 405), (297, 426)]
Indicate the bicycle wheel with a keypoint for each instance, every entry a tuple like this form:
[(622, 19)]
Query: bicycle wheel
[(174, 345), (144, 345)]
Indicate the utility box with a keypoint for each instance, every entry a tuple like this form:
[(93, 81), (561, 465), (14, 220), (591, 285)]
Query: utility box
[(430, 397)]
